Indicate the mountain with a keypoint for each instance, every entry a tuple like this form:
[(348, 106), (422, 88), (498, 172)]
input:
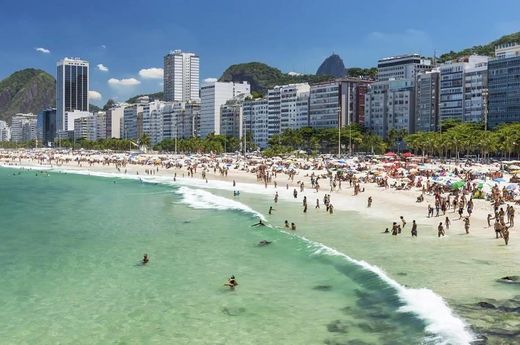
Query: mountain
[(333, 65), (158, 96), (262, 77), (26, 91), (486, 49)]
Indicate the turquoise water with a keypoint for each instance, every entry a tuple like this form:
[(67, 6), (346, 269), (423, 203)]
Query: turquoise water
[(70, 249)]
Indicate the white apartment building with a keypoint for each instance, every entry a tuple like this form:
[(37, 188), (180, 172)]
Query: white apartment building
[(427, 101), (181, 76), (153, 121), (5, 131), (463, 84), (213, 96), (402, 67), (23, 127), (288, 107), (85, 127), (101, 125), (231, 117), (256, 115), (113, 118), (508, 50), (390, 105), (180, 120)]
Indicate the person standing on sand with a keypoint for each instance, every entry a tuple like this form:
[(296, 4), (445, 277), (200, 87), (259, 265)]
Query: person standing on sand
[(369, 202), (489, 219), (276, 197), (414, 229), (440, 230), (511, 217), (447, 223), (498, 229), (466, 224), (505, 234), (317, 203)]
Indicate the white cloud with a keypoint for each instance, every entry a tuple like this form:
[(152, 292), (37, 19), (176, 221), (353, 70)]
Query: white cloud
[(151, 73), (103, 46), (42, 50), (209, 80), (94, 95), (123, 82), (102, 67)]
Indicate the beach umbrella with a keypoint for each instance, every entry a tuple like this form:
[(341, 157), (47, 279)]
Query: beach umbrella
[(500, 179), (458, 185)]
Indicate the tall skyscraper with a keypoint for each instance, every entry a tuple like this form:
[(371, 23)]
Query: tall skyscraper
[(72, 83), (181, 76)]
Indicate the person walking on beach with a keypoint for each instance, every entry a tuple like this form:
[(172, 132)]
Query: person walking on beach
[(369, 202), (403, 221), (414, 228), (295, 193), (505, 234), (440, 230), (317, 203), (276, 197), (447, 223), (511, 217), (498, 229), (466, 224)]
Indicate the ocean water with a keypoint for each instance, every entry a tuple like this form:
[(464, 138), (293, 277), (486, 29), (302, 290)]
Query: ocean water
[(70, 250)]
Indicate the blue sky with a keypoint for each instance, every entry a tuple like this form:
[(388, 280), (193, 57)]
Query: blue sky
[(127, 36)]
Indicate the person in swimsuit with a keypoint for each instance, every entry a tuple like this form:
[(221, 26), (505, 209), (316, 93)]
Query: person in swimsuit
[(293, 226), (440, 230), (260, 223), (286, 224), (145, 259), (414, 229), (232, 282)]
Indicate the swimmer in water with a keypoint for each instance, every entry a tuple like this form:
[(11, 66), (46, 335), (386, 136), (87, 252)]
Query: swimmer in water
[(271, 209), (293, 226), (260, 223), (145, 259), (286, 224), (264, 243), (232, 282)]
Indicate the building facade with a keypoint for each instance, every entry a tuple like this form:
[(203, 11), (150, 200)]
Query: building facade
[(504, 86), (23, 127), (402, 67), (85, 127), (72, 85), (213, 96), (5, 131), (427, 101), (47, 126), (256, 114), (390, 105), (231, 117), (180, 120), (181, 76), (113, 119)]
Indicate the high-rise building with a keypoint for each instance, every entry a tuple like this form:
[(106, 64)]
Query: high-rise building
[(181, 76), (153, 121), (85, 127), (5, 131), (47, 126), (101, 124), (72, 84), (256, 114), (213, 95), (326, 107), (504, 86), (427, 101), (23, 127), (113, 118), (390, 105), (458, 91), (402, 67)]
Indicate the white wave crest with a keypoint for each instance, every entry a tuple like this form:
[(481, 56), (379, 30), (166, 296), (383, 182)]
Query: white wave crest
[(427, 305), (202, 199)]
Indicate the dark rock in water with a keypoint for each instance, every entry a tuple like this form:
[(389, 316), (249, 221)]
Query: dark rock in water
[(233, 311), (510, 280), (486, 305), (338, 326), (322, 287)]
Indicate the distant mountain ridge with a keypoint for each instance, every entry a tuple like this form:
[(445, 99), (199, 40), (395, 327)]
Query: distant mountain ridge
[(26, 91), (261, 77)]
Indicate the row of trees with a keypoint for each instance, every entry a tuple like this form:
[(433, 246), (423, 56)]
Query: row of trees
[(211, 143), (325, 140), (458, 139)]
